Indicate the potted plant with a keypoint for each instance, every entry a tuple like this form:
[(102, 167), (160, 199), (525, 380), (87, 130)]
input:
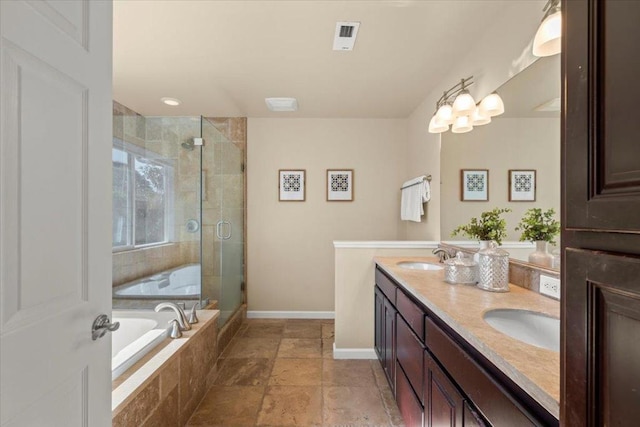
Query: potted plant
[(542, 228), (490, 226)]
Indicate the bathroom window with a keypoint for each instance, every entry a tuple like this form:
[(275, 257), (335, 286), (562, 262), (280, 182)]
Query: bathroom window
[(142, 197)]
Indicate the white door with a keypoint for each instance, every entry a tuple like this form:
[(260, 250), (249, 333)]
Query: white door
[(55, 211)]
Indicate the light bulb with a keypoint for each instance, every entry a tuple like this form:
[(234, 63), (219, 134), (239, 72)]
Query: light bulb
[(462, 125), (464, 104), (479, 117), (492, 105), (445, 114), (435, 126), (548, 37)]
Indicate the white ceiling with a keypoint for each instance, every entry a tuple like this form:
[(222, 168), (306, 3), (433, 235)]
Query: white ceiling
[(222, 58)]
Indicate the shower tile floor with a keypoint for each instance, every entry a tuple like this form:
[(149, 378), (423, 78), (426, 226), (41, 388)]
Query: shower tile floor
[(282, 373)]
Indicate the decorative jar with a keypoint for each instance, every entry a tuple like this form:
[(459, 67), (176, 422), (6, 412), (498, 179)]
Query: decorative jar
[(493, 269)]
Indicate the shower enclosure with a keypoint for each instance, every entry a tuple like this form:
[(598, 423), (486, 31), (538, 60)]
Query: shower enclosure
[(178, 212)]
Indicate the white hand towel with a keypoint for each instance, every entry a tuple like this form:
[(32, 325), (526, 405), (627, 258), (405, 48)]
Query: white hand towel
[(417, 192)]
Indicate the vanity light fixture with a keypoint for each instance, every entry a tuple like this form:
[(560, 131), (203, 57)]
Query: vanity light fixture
[(457, 107), (479, 117), (492, 105), (547, 41), (462, 125)]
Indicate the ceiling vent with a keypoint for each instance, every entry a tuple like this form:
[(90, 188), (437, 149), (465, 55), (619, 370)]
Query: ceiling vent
[(282, 104), (345, 37)]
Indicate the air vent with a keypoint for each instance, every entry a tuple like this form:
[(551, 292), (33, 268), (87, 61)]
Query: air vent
[(345, 36)]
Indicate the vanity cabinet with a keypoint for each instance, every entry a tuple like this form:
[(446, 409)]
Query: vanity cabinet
[(437, 377)]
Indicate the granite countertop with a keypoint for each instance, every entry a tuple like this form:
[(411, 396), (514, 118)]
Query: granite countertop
[(536, 370)]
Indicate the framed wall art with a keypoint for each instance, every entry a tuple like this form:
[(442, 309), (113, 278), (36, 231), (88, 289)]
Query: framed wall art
[(474, 185), (291, 183), (340, 185), (522, 185)]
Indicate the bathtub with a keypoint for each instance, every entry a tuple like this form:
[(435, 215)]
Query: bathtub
[(139, 332), (179, 283)]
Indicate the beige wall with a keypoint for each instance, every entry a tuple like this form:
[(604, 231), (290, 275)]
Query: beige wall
[(290, 244), (354, 279), (514, 143), (497, 55)]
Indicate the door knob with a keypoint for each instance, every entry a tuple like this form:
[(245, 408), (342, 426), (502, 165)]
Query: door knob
[(101, 326)]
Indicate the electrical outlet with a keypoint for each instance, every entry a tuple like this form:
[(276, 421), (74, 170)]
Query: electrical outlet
[(550, 286)]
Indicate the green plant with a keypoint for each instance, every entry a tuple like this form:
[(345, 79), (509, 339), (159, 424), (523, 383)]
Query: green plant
[(490, 226), (537, 225)]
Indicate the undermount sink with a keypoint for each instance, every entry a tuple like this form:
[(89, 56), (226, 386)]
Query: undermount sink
[(419, 266), (530, 327)]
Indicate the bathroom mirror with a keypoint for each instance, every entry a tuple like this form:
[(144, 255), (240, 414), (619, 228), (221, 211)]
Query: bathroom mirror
[(525, 138)]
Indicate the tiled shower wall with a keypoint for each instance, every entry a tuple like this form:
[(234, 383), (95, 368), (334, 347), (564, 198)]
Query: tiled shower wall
[(163, 135)]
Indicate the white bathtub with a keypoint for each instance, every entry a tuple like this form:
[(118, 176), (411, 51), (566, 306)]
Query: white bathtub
[(140, 331), (182, 283)]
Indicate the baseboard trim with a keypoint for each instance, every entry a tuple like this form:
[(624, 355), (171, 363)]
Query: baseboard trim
[(252, 314), (354, 353)]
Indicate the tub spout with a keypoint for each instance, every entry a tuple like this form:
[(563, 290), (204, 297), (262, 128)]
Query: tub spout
[(182, 317)]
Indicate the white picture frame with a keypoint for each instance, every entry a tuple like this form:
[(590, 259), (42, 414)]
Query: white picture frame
[(291, 185), (474, 185), (340, 185), (522, 185)]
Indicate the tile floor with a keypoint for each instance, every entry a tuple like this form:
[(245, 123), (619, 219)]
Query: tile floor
[(282, 373)]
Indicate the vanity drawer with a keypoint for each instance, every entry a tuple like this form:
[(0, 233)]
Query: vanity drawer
[(387, 287), (411, 313), (487, 395), (409, 354)]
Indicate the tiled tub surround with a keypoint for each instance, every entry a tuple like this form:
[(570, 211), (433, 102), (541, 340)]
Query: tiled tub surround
[(535, 370), (165, 389)]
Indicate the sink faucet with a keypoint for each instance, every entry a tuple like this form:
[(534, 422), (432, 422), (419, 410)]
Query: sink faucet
[(442, 253), (182, 317)]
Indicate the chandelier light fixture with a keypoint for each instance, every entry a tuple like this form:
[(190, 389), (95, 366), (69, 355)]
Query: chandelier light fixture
[(547, 41), (456, 107)]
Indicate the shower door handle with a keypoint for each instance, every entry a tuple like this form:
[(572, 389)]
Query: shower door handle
[(219, 234)]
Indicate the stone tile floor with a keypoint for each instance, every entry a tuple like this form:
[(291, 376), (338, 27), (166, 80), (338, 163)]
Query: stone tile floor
[(282, 373)]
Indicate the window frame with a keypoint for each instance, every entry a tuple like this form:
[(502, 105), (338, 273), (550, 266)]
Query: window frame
[(134, 151)]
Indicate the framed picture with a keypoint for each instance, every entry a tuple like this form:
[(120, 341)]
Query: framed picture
[(291, 184), (522, 185), (340, 185), (474, 185)]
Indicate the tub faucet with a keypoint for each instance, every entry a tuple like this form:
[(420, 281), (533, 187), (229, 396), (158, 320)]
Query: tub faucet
[(442, 253), (182, 317)]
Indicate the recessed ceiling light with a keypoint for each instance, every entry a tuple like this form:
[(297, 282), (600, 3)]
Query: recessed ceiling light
[(282, 104), (171, 101)]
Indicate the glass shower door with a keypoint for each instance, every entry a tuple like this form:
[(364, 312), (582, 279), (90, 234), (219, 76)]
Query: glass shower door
[(223, 222)]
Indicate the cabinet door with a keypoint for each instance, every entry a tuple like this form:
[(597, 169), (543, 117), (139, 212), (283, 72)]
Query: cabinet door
[(602, 154), (408, 403), (445, 405), (379, 321), (603, 315), (389, 347)]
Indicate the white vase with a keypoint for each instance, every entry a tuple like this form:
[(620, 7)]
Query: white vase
[(541, 256), (484, 244)]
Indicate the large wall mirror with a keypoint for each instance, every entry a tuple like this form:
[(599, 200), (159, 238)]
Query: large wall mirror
[(526, 137)]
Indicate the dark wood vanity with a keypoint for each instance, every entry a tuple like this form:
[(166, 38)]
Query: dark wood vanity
[(437, 377)]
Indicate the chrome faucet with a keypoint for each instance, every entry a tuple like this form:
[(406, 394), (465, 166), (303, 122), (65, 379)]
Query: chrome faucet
[(182, 317), (442, 253)]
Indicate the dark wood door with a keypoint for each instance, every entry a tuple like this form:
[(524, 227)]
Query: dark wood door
[(444, 405), (600, 368)]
